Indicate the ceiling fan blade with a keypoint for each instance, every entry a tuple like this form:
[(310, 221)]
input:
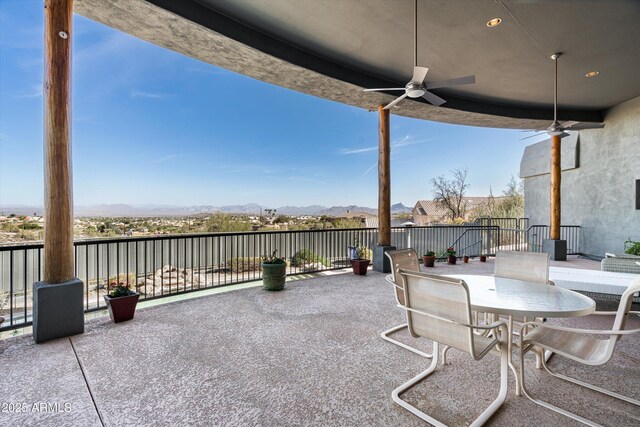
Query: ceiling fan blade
[(467, 80), (419, 74), (395, 101), (433, 98), (570, 123), (584, 126), (531, 136), (382, 89)]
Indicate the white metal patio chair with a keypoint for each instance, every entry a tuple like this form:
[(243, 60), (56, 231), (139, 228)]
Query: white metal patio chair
[(406, 259), (580, 345), (529, 266), (438, 308)]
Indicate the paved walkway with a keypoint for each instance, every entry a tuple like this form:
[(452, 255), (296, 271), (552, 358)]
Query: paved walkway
[(310, 355)]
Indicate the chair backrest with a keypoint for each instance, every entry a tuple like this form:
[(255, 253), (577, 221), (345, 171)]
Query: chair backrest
[(621, 317), (405, 259), (443, 301), (625, 305), (529, 266)]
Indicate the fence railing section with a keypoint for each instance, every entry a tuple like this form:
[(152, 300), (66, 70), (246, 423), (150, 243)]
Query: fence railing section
[(160, 266)]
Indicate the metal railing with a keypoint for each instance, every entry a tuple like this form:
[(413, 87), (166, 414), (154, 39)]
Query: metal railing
[(160, 266)]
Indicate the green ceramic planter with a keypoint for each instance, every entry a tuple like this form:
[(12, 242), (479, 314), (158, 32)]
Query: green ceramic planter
[(274, 276)]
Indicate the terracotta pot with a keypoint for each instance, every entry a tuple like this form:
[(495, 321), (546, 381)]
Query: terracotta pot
[(429, 261), (360, 266), (274, 276), (122, 308), (452, 259), (465, 259), (483, 258)]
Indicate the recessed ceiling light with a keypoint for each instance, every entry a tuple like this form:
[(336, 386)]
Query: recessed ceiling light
[(494, 22), (592, 73)]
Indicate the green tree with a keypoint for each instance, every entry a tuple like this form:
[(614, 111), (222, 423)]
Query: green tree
[(511, 205)]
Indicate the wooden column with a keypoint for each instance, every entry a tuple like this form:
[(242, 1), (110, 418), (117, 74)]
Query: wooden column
[(384, 179), (556, 173), (58, 191)]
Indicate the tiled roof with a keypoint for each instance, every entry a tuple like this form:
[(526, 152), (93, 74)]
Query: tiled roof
[(430, 208), (433, 208)]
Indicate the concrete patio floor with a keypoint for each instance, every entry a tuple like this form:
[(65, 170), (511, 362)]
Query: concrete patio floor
[(310, 355)]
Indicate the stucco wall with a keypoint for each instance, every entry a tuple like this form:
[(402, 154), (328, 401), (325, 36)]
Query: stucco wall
[(599, 195)]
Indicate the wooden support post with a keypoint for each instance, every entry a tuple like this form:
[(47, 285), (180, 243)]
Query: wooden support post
[(384, 184), (554, 201), (58, 192)]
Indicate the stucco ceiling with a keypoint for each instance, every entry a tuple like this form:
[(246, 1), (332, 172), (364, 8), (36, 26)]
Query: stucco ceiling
[(369, 43)]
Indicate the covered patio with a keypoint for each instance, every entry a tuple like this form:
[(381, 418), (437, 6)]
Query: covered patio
[(310, 355), (313, 355)]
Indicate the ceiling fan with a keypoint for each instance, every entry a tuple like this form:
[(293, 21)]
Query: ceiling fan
[(556, 128), (417, 87)]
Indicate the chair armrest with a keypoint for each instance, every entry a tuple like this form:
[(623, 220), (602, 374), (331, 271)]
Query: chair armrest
[(578, 330), (612, 313), (493, 325)]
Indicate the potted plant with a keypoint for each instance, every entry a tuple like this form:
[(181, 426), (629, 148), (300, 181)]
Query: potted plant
[(274, 272), (353, 250), (483, 258), (429, 259), (465, 259), (360, 263), (121, 302), (451, 254)]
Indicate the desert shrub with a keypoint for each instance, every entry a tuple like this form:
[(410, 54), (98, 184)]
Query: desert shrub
[(241, 265), (305, 256), (122, 278), (30, 226)]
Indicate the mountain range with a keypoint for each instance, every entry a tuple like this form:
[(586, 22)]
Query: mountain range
[(113, 210)]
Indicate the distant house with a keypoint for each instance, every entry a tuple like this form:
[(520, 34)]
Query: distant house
[(372, 222), (427, 212)]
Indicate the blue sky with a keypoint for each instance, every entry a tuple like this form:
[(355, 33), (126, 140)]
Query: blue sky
[(151, 126)]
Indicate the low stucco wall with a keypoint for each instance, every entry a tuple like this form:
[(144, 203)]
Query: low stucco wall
[(599, 194)]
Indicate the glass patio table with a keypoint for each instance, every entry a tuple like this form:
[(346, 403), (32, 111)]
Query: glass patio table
[(519, 298)]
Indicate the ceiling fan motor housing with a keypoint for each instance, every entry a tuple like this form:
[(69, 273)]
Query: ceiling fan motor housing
[(414, 90)]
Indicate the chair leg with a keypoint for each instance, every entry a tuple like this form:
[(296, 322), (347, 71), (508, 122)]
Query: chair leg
[(385, 336), (502, 393), (445, 350), (486, 414), (591, 386), (544, 404)]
